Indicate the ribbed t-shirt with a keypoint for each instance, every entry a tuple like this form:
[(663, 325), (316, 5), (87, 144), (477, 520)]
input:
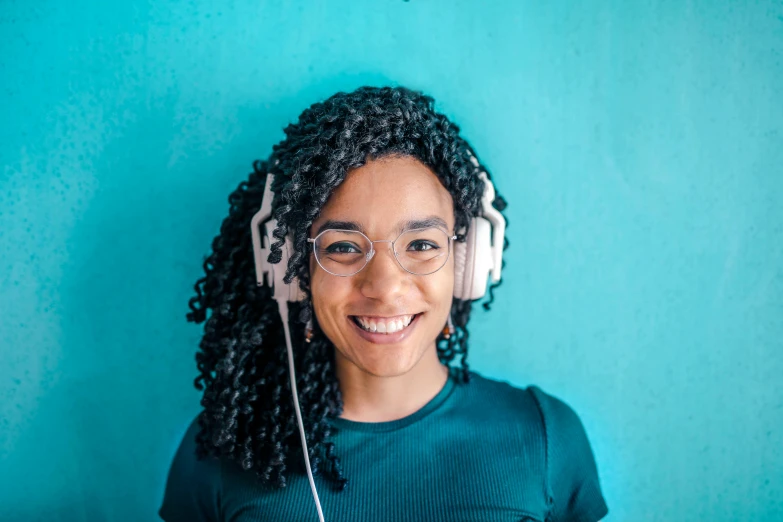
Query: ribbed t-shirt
[(478, 451)]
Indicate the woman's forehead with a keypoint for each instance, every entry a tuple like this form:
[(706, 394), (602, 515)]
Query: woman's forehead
[(383, 194)]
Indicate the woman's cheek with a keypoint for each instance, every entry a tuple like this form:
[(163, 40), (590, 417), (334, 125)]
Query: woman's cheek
[(329, 294)]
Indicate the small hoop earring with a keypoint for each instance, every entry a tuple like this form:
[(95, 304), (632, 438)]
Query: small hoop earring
[(448, 330)]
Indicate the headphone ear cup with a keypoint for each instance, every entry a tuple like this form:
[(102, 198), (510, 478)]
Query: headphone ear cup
[(276, 272), (480, 258), (473, 261), (464, 261), (460, 250), (294, 292), (268, 274)]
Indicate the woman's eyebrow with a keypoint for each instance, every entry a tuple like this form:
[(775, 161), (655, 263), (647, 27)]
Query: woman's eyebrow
[(340, 225), (429, 221)]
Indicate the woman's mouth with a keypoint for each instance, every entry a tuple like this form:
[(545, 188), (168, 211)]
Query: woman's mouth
[(384, 325), (384, 330)]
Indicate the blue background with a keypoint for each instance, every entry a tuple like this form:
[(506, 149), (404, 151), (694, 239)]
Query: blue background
[(639, 146)]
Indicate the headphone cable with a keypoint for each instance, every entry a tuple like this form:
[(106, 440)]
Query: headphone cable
[(283, 307)]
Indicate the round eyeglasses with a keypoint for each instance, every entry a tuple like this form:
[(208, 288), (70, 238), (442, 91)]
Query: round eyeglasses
[(420, 251)]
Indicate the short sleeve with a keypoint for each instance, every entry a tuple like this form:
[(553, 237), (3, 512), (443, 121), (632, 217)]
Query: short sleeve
[(573, 481), (193, 486)]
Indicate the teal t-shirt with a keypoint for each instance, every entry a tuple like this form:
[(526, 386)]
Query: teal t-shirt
[(478, 451)]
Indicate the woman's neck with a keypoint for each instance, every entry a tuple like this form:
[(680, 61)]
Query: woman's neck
[(373, 398)]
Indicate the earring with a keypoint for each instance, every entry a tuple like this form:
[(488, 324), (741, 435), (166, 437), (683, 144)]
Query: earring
[(448, 330), (309, 330)]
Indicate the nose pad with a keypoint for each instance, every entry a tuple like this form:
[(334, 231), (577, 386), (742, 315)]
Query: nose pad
[(370, 255)]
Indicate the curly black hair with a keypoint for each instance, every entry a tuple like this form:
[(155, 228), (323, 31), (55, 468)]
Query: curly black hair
[(248, 414)]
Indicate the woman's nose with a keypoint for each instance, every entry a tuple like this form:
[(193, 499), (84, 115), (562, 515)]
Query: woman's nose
[(382, 277)]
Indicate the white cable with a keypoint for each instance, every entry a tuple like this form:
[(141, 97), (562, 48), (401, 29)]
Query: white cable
[(283, 307)]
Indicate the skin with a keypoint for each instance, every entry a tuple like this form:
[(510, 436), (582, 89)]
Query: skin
[(384, 382)]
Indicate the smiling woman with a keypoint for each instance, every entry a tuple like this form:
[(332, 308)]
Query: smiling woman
[(389, 374), (384, 227)]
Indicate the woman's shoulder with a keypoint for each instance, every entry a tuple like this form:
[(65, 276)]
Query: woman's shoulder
[(572, 476), (193, 484), (532, 398), (551, 416)]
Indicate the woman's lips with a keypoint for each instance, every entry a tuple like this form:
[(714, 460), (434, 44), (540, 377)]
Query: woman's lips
[(384, 338)]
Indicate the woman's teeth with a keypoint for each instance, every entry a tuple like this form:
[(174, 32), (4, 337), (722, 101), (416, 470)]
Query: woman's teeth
[(385, 326)]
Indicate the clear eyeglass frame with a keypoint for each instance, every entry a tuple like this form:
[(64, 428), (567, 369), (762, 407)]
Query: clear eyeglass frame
[(371, 253)]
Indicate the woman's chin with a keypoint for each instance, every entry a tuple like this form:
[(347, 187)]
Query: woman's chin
[(392, 361)]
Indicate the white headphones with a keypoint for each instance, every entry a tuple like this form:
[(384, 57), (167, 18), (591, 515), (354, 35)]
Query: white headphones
[(482, 252), (480, 256)]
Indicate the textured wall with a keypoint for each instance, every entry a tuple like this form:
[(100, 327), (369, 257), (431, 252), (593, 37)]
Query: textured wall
[(639, 145)]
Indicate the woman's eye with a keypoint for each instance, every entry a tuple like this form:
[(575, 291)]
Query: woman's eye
[(342, 248), (421, 246)]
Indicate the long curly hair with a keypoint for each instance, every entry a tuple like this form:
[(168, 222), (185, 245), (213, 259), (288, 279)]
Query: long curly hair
[(248, 414)]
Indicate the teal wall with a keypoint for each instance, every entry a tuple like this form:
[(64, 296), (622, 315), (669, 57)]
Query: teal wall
[(639, 145)]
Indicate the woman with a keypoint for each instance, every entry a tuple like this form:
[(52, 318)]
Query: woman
[(376, 193)]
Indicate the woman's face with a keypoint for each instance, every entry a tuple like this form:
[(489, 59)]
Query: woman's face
[(380, 197)]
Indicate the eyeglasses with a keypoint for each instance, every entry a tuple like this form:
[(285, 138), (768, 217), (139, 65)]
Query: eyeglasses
[(420, 251)]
